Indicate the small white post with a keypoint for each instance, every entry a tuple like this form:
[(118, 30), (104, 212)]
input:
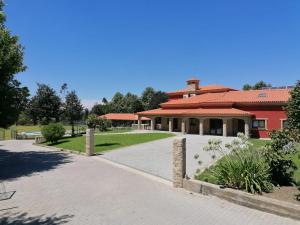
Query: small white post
[(170, 124), (89, 144), (179, 161), (225, 127), (201, 126)]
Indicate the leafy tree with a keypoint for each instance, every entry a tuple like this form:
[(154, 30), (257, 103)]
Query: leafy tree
[(257, 86), (13, 97), (100, 109), (158, 98), (260, 85), (293, 108), (131, 103), (116, 103), (247, 87), (72, 109), (45, 105), (147, 97)]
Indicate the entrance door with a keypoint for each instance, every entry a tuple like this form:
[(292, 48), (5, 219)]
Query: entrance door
[(216, 127)]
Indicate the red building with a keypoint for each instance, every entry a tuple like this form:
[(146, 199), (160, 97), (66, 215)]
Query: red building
[(220, 110)]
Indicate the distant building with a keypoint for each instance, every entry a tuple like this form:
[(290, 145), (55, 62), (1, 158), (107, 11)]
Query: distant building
[(220, 110), (124, 119)]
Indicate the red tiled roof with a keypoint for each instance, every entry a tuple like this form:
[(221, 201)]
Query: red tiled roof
[(196, 112), (122, 116), (252, 96), (203, 89)]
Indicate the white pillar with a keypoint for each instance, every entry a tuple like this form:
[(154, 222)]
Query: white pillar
[(225, 127), (201, 126), (170, 124), (183, 125), (89, 142), (247, 133), (179, 162), (153, 123)]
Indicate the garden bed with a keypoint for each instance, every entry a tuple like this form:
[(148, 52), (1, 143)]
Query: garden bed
[(284, 193)]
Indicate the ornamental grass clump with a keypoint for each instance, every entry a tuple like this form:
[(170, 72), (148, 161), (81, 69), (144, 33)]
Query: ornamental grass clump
[(241, 167)]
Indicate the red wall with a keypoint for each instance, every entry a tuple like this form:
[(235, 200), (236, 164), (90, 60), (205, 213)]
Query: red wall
[(273, 116)]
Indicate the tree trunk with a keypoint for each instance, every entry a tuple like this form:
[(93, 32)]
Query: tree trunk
[(73, 133)]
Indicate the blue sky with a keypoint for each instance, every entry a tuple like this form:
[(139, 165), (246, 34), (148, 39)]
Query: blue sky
[(100, 47)]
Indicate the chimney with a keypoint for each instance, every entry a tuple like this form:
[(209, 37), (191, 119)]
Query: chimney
[(193, 84)]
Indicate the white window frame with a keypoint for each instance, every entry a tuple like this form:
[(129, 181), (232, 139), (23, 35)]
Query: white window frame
[(260, 128), (281, 122)]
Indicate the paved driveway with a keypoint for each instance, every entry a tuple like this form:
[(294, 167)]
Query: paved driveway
[(57, 188), (156, 157)]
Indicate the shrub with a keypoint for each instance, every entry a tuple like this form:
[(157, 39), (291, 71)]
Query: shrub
[(278, 153), (103, 124), (53, 132), (92, 121), (243, 168)]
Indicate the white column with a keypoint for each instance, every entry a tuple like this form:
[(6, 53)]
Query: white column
[(170, 124), (153, 123), (183, 125), (201, 126), (225, 127), (139, 123), (247, 121)]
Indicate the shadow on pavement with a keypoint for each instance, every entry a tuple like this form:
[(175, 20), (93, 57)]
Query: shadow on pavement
[(23, 218), (17, 164)]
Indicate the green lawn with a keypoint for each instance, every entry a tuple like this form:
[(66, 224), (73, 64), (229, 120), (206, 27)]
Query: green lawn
[(110, 141), (208, 177)]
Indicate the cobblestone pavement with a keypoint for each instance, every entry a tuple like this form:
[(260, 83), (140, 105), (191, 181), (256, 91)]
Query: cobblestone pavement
[(56, 188), (156, 157)]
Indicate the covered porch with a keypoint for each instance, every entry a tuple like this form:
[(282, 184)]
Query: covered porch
[(219, 122)]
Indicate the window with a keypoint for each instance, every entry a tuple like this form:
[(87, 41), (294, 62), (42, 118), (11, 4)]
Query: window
[(284, 124), (259, 124), (185, 95)]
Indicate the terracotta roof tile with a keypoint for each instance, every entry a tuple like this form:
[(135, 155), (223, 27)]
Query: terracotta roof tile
[(122, 116), (253, 96), (196, 112)]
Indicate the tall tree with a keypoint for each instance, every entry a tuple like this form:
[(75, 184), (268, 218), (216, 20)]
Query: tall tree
[(247, 87), (131, 103), (158, 98), (117, 103), (45, 105), (147, 97), (293, 108), (72, 109), (257, 86), (100, 109), (13, 97), (104, 101)]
